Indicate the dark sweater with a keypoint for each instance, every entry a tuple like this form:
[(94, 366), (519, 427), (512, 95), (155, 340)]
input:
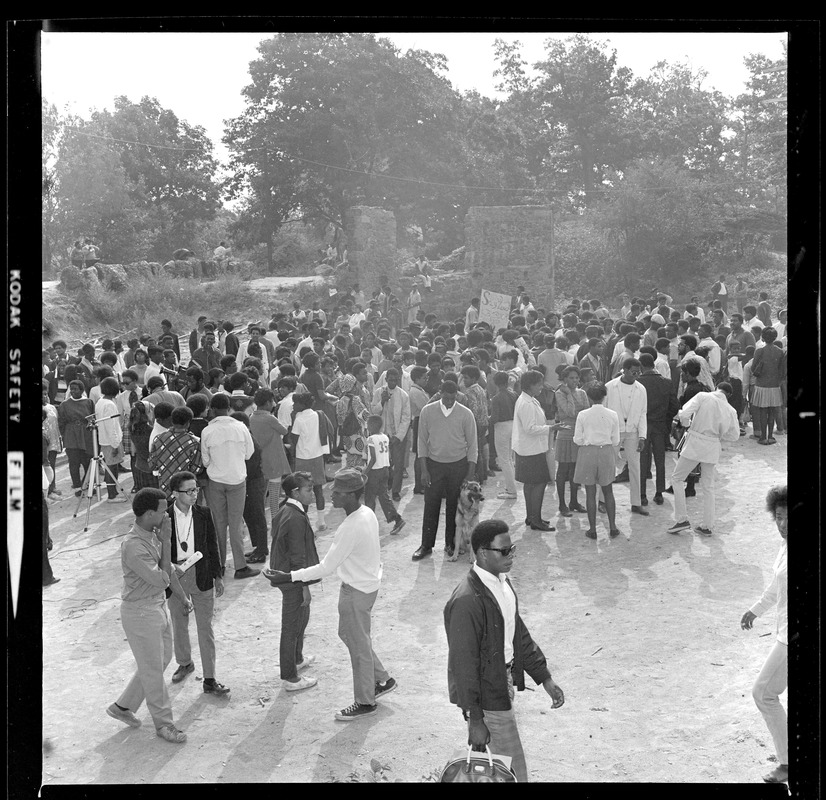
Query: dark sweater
[(662, 400)]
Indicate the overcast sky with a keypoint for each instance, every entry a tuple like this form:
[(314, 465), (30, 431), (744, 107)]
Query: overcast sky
[(200, 75)]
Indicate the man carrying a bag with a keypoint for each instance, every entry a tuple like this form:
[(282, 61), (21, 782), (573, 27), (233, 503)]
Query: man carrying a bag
[(490, 649)]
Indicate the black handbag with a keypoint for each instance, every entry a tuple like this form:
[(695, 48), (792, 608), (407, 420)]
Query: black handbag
[(475, 767)]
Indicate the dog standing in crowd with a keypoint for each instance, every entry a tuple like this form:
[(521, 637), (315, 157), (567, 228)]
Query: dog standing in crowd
[(467, 515)]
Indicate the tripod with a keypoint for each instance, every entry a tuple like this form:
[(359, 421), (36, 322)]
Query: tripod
[(94, 478)]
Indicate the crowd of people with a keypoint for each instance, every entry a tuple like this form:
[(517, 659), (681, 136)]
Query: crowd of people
[(582, 397)]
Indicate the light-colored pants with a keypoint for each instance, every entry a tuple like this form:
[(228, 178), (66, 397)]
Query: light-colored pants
[(354, 608), (149, 634), (629, 441), (770, 684), (707, 473), (504, 735), (204, 603), (502, 439), (226, 503)]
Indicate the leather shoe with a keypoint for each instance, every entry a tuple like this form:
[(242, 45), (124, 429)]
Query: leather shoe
[(214, 687), (577, 507), (565, 512), (449, 549), (247, 572), (546, 521), (640, 510), (256, 558), (541, 525), (182, 672), (422, 552), (658, 499), (643, 501)]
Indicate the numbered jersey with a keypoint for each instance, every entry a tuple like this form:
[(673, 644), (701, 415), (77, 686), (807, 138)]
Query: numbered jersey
[(381, 444)]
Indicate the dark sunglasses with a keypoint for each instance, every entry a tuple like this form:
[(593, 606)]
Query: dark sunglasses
[(505, 551)]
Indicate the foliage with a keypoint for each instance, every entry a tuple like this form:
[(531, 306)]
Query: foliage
[(327, 116), (147, 301)]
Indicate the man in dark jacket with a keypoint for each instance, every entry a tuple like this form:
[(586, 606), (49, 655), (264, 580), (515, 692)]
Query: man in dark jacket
[(490, 648), (662, 406), (293, 547), (194, 532)]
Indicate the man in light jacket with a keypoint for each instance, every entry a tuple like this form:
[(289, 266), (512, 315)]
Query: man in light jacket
[(392, 403), (712, 421), (629, 400)]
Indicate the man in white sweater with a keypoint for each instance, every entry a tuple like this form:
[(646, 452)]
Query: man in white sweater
[(629, 400), (355, 555), (712, 420)]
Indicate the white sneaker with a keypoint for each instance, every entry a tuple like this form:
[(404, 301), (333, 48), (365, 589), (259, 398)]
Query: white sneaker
[(304, 682), (306, 663)]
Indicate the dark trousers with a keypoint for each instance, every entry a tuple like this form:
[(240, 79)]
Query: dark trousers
[(445, 482), (482, 462), (654, 443), (254, 514), (294, 619), (417, 467), (376, 488), (736, 398), (77, 458), (111, 482), (53, 463), (48, 575), (397, 448)]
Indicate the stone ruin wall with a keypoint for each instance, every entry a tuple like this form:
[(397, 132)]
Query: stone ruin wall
[(507, 246), (371, 249)]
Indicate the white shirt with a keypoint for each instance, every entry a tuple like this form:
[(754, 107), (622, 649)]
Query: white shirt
[(184, 532), (109, 430), (226, 444), (777, 592), (152, 370), (309, 441), (355, 554), (156, 429), (531, 432), (714, 421), (630, 403), (506, 599), (662, 366), (597, 425), (355, 319), (285, 411), (446, 411), (381, 444), (714, 354)]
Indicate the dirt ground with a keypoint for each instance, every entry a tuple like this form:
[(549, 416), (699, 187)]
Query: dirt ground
[(641, 632)]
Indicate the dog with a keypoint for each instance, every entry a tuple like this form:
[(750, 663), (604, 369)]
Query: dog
[(467, 515)]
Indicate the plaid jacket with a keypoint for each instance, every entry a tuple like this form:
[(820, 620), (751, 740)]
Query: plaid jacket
[(175, 452)]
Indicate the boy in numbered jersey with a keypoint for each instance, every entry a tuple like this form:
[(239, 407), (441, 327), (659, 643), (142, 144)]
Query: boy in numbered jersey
[(377, 470)]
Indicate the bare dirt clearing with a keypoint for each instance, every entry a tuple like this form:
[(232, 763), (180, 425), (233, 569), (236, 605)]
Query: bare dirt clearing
[(641, 632)]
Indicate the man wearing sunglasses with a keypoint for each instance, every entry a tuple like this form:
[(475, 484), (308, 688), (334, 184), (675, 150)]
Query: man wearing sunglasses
[(490, 649), (194, 532)]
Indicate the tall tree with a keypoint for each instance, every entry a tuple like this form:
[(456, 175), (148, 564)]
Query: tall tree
[(674, 117), (582, 98), (329, 119)]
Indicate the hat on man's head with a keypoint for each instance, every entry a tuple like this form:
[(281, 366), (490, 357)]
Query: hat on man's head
[(658, 318), (348, 480)]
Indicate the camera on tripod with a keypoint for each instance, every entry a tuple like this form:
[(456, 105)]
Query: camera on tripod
[(92, 422)]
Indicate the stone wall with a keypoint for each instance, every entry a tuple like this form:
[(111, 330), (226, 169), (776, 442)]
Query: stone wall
[(507, 246), (371, 248)]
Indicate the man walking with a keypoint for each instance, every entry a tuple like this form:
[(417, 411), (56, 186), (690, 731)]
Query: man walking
[(490, 648), (447, 450), (145, 557), (226, 444), (356, 557), (629, 401), (194, 532), (712, 421)]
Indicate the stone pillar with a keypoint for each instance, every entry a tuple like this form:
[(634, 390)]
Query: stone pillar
[(371, 249), (510, 245)]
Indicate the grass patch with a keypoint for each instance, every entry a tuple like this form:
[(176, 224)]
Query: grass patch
[(146, 302)]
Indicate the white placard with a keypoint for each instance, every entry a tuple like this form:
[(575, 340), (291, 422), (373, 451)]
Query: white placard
[(494, 308)]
